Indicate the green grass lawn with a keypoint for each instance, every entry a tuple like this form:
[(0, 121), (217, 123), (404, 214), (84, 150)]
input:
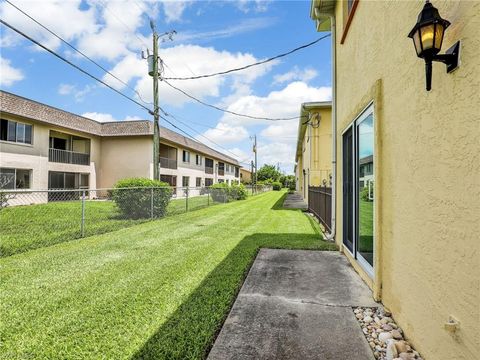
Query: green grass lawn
[(29, 227), (366, 226), (158, 290)]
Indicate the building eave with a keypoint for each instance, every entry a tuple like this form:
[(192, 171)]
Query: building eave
[(321, 12), (302, 123)]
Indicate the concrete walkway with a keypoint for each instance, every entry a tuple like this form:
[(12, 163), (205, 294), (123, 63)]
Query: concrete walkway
[(295, 201), (296, 305)]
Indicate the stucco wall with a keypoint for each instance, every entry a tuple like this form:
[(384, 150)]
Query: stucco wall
[(124, 157), (427, 169), (35, 156)]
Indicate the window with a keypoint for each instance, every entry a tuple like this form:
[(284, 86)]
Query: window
[(221, 168), (237, 171), (15, 132), (208, 181), (13, 179), (227, 168), (220, 181), (198, 159), (349, 8), (198, 182), (186, 156), (185, 181)]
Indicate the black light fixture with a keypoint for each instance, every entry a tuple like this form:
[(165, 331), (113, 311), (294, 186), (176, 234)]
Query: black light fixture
[(427, 35)]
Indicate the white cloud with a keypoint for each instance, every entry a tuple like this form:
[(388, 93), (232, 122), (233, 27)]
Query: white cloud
[(224, 134), (9, 74), (117, 32), (174, 9), (206, 60), (78, 94), (244, 26), (63, 17), (277, 152), (277, 104), (105, 117), (66, 89), (257, 6), (296, 74), (241, 155)]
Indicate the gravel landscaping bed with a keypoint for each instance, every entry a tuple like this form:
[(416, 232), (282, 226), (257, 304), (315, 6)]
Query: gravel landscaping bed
[(384, 336)]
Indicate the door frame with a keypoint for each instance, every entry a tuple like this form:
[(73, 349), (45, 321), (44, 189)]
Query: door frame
[(353, 126)]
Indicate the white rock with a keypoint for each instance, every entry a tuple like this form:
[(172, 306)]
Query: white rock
[(367, 319), (384, 336), (391, 350), (396, 334)]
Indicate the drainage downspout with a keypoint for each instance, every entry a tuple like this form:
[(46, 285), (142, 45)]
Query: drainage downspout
[(331, 235)]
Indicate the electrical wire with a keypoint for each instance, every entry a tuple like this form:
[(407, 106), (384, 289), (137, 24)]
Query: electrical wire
[(77, 50), (225, 110), (199, 133), (103, 4), (251, 65), (73, 65)]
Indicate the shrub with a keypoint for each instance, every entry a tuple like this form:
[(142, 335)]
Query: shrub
[(238, 192), (133, 197), (292, 186), (276, 186), (364, 193), (219, 192)]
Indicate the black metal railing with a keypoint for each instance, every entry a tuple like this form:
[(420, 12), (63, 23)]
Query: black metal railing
[(320, 204), (68, 157), (208, 170)]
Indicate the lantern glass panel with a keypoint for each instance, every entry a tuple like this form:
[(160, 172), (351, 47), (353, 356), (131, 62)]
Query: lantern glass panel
[(427, 33), (439, 30), (417, 43)]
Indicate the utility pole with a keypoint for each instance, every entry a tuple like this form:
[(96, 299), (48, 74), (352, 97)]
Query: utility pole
[(153, 71)]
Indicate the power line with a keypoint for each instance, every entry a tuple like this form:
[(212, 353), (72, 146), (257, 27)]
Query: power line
[(77, 50), (225, 110), (208, 139), (102, 3), (73, 65), (188, 134), (251, 65)]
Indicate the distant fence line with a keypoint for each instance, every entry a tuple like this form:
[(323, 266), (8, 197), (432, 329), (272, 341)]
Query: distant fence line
[(32, 218), (320, 204)]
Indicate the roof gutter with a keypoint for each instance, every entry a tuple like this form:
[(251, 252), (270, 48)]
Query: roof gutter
[(323, 12)]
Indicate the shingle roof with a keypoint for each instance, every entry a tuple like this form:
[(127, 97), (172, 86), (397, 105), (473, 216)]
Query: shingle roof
[(20, 106)]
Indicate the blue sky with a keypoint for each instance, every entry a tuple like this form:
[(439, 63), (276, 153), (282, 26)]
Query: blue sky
[(211, 36)]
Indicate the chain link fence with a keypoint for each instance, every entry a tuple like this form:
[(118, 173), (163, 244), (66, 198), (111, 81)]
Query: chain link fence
[(37, 218)]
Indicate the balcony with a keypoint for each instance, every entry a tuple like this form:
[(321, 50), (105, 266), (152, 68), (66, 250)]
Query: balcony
[(68, 157), (208, 170), (221, 172), (167, 163)]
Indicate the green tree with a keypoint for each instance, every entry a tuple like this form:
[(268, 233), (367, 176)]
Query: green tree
[(268, 172)]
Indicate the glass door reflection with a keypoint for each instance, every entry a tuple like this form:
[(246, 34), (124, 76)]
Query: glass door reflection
[(365, 189)]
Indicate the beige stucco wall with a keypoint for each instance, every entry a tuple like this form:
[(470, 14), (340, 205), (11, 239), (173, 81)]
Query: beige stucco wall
[(124, 157), (35, 156), (427, 169)]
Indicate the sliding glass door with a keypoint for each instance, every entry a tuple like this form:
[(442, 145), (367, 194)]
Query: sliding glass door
[(358, 189)]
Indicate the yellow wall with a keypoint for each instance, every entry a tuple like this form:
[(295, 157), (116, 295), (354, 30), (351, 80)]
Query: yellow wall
[(427, 168), (316, 157)]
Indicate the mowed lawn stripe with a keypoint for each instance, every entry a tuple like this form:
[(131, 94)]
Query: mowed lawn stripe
[(110, 296)]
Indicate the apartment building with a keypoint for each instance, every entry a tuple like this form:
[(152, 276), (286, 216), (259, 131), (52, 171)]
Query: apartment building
[(406, 179), (313, 156), (42, 147)]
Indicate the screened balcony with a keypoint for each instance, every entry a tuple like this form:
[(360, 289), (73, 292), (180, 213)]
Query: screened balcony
[(68, 149), (168, 157)]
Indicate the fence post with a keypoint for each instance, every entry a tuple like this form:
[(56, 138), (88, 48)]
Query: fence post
[(151, 203), (186, 200), (208, 197), (82, 227)]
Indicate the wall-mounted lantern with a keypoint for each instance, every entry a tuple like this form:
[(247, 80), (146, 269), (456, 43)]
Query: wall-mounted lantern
[(427, 35)]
